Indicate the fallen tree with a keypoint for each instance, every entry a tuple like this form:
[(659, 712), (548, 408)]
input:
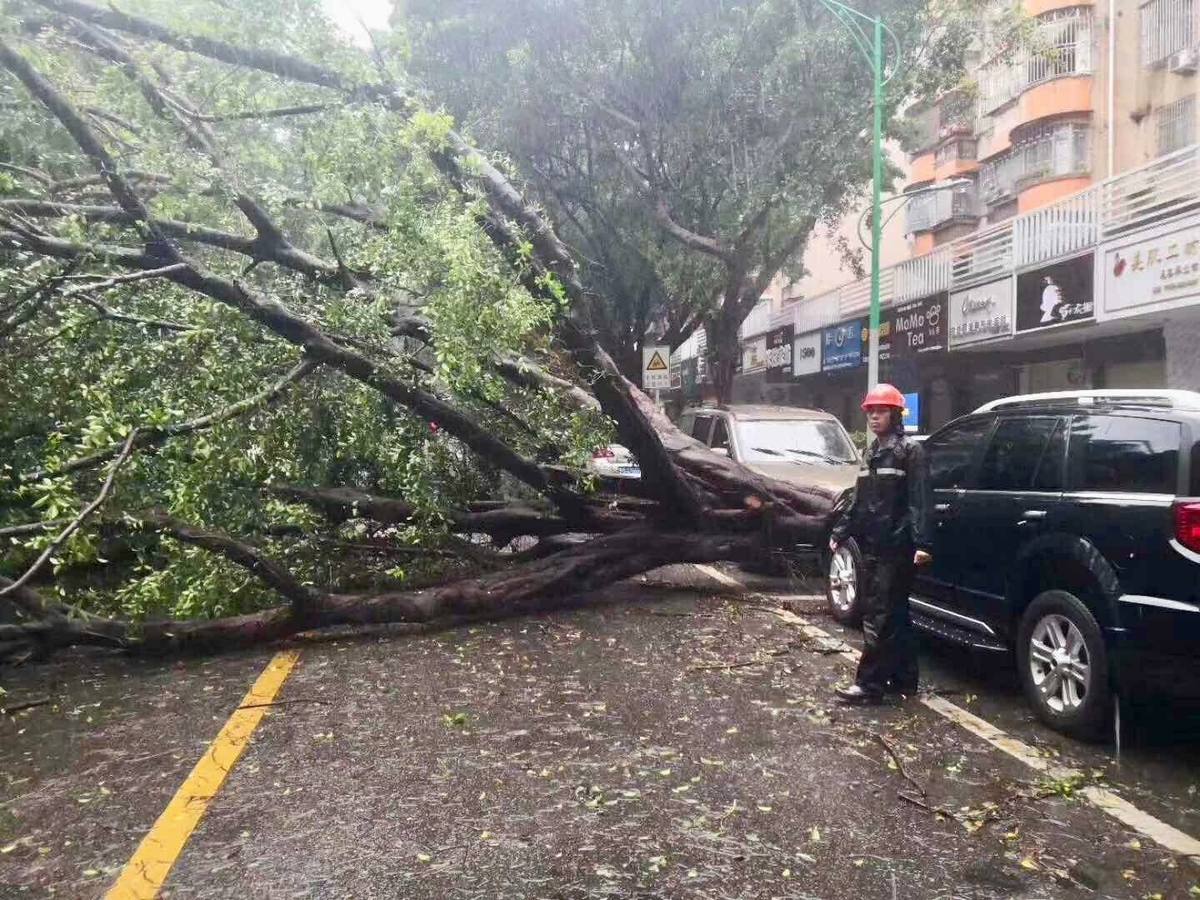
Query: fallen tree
[(338, 321)]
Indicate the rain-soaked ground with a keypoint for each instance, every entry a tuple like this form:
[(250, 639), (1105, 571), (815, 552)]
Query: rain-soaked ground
[(670, 742)]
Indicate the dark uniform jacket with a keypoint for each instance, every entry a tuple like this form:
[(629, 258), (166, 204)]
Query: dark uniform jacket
[(892, 507)]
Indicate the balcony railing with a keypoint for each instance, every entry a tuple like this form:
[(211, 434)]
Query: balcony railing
[(1052, 152), (1168, 27), (963, 148), (1059, 45), (930, 210), (1160, 191)]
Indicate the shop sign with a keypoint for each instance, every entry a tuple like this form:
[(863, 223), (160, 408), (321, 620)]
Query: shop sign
[(1057, 294), (912, 413), (842, 345), (754, 354), (1157, 270), (779, 354), (915, 327), (981, 313), (806, 354)]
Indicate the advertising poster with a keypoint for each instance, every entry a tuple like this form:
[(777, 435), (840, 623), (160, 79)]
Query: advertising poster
[(981, 313), (842, 346), (779, 354), (1057, 294)]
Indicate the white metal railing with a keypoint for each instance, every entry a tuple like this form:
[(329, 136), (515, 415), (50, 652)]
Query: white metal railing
[(981, 256), (963, 148), (998, 84), (1168, 26), (929, 210), (855, 298), (1050, 152), (1166, 186), (1057, 230), (1061, 44), (923, 275), (758, 321), (693, 347)]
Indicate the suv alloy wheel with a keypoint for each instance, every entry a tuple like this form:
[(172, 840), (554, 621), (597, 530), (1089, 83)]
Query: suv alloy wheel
[(1063, 664), (843, 590)]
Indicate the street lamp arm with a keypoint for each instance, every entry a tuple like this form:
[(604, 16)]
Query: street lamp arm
[(902, 199)]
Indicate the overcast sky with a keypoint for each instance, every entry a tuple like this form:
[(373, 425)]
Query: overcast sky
[(350, 14)]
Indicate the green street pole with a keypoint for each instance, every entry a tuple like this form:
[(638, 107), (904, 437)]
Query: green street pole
[(876, 208)]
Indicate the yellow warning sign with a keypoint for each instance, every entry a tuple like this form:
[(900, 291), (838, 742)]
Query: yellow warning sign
[(656, 363)]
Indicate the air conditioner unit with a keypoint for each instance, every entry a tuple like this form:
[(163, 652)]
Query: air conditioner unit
[(1184, 62)]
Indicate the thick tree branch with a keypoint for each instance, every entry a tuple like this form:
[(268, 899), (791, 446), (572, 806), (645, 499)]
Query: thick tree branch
[(245, 555), (554, 581), (121, 190), (258, 248)]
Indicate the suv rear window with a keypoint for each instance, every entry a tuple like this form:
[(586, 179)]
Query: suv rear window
[(1124, 454)]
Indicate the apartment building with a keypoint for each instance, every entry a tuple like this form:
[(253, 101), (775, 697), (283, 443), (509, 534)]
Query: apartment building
[(1064, 251)]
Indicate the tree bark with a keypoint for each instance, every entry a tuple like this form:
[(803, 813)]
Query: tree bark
[(555, 581)]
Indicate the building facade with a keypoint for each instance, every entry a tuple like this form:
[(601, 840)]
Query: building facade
[(1064, 255)]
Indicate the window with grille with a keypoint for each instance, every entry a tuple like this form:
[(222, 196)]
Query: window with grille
[(955, 150), (1176, 125), (1168, 26), (1061, 44), (1048, 152)]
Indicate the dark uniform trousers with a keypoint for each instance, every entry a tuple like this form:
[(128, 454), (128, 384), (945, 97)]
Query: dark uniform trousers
[(889, 646)]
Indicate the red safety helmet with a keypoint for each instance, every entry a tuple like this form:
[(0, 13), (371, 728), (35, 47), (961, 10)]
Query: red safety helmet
[(883, 395)]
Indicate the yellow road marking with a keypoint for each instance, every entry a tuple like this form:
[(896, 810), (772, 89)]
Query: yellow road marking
[(147, 871), (1103, 799)]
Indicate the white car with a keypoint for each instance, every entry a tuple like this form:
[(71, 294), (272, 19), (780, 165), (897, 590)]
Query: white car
[(614, 461)]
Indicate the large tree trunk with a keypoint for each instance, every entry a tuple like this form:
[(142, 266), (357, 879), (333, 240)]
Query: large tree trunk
[(555, 581)]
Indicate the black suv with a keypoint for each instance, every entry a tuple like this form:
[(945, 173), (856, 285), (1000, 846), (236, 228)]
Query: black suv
[(1068, 530)]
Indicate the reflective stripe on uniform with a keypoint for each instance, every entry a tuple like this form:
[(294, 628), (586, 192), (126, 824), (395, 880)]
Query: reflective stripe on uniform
[(890, 471)]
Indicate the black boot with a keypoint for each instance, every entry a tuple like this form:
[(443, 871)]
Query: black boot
[(904, 686), (857, 695)]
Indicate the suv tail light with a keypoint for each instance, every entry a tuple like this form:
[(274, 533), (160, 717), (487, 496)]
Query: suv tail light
[(1187, 524), (603, 453)]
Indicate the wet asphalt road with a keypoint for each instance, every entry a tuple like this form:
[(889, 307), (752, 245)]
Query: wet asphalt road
[(669, 743), (1157, 769)]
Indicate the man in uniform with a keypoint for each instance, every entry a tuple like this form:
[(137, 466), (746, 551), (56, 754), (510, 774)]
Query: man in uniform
[(890, 521)]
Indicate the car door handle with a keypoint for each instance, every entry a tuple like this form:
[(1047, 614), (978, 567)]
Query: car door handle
[(1034, 514)]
